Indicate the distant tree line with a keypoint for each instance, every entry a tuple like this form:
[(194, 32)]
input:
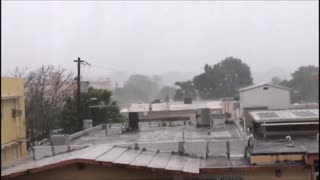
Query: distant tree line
[(144, 89), (226, 77)]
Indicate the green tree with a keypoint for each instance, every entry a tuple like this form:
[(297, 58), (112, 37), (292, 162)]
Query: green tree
[(178, 96), (138, 88), (305, 84), (223, 79), (102, 110), (187, 89), (166, 93)]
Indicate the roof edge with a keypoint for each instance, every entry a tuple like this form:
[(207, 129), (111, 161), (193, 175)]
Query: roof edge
[(265, 84)]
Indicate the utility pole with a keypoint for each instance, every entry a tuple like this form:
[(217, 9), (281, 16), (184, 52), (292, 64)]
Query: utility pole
[(79, 62)]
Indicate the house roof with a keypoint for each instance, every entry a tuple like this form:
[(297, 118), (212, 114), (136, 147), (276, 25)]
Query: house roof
[(130, 157), (260, 85)]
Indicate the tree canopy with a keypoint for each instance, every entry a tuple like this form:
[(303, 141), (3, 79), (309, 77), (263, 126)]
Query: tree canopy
[(138, 88), (305, 84), (110, 112), (220, 80), (166, 93)]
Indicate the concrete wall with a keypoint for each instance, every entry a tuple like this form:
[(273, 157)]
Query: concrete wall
[(85, 132), (287, 173), (271, 159), (273, 98), (13, 130), (106, 172)]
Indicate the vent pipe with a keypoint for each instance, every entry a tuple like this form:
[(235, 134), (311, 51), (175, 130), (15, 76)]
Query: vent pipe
[(228, 149), (207, 149)]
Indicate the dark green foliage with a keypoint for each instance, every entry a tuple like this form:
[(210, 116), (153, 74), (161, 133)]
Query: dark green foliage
[(179, 95), (187, 90), (217, 81), (68, 119), (305, 84)]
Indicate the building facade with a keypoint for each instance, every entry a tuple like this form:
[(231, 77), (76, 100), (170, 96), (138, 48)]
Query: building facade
[(13, 127), (262, 97)]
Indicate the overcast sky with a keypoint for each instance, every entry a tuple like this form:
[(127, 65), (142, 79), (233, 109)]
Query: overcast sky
[(159, 36)]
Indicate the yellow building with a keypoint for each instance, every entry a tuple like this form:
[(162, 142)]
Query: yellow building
[(13, 127)]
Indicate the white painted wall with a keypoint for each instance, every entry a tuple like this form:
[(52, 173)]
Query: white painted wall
[(273, 98)]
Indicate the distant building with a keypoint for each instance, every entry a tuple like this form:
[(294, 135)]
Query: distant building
[(262, 97), (13, 129)]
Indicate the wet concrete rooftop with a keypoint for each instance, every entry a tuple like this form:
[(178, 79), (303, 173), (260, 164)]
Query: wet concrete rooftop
[(150, 135)]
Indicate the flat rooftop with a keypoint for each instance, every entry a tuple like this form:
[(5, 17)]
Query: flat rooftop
[(150, 135), (298, 144), (144, 107), (285, 115), (157, 147)]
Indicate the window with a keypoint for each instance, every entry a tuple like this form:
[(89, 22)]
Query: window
[(265, 88), (13, 113), (16, 113)]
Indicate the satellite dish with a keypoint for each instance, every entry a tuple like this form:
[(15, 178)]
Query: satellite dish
[(288, 138)]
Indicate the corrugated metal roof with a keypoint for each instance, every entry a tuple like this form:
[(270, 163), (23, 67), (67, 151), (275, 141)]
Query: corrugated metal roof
[(285, 115), (114, 155)]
